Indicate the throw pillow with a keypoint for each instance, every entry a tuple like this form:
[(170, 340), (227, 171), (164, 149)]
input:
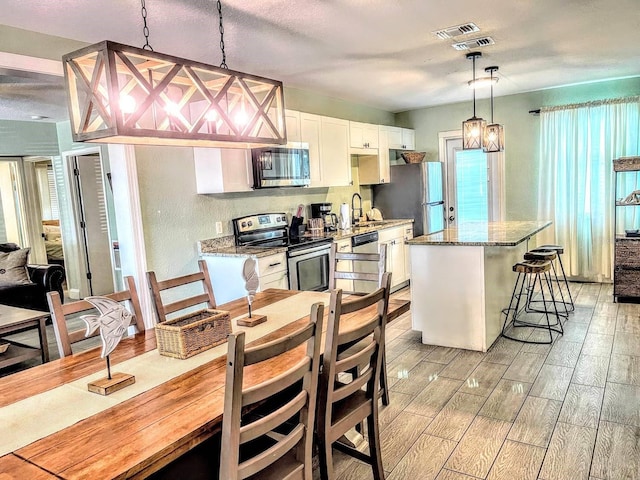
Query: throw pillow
[(13, 268)]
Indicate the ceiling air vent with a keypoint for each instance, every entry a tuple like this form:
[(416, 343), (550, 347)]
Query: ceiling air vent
[(474, 43), (450, 32)]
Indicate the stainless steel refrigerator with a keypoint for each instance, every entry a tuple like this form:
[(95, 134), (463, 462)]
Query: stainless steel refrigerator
[(416, 190)]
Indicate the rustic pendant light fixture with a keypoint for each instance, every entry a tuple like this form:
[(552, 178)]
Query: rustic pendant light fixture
[(494, 132), (123, 94), (473, 128)]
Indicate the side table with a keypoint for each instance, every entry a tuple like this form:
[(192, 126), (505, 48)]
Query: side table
[(15, 320)]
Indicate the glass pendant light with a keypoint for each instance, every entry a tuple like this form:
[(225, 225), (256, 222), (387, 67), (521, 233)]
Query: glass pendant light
[(123, 94), (494, 132), (473, 128)]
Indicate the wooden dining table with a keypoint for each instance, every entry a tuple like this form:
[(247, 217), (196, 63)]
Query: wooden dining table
[(140, 435)]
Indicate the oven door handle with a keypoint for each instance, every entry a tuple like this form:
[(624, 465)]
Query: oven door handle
[(305, 251)]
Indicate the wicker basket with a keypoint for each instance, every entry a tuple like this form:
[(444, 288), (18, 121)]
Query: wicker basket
[(191, 334), (413, 157)]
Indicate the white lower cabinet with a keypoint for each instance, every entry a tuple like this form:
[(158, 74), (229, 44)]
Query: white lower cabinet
[(397, 253), (226, 274), (344, 246)]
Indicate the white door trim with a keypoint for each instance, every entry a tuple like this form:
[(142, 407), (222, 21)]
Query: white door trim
[(126, 199)]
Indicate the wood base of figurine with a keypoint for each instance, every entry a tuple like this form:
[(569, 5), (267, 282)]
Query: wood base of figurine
[(253, 321), (106, 386)]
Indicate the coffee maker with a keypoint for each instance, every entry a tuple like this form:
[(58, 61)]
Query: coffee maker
[(323, 211)]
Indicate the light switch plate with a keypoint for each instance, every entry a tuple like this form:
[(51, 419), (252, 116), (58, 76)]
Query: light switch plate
[(218, 227)]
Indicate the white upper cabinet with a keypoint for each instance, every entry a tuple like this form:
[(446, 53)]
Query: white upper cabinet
[(310, 134), (363, 136), (328, 140), (334, 152), (223, 170), (292, 122), (375, 169), (401, 138)]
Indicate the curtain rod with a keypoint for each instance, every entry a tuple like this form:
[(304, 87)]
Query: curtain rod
[(594, 103)]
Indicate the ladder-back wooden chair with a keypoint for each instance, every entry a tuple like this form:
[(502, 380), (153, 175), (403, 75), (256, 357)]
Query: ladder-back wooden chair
[(377, 266), (60, 315), (253, 448), (164, 309), (342, 406)]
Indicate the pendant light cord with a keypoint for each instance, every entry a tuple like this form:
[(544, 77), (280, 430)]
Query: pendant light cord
[(492, 96), (224, 55), (473, 59), (145, 28)]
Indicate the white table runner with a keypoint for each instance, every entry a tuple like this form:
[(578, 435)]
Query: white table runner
[(43, 414)]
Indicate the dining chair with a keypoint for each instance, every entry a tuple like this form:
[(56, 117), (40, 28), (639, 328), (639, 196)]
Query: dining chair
[(163, 309), (375, 265), (61, 314), (259, 448), (344, 405)]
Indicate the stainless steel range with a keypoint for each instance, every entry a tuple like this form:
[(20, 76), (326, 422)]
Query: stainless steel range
[(307, 257)]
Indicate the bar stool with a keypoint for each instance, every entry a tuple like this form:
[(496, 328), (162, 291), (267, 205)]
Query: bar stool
[(549, 256), (559, 250), (529, 273)]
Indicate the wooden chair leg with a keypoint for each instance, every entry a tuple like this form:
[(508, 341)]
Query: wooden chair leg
[(325, 455), (374, 446), (384, 381)]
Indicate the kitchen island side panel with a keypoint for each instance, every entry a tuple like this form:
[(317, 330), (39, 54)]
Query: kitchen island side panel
[(458, 293), (448, 295)]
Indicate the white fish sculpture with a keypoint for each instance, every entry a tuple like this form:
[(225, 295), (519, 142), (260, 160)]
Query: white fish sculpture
[(113, 322), (252, 282)]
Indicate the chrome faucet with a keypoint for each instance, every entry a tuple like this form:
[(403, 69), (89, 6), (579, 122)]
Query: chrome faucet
[(356, 219)]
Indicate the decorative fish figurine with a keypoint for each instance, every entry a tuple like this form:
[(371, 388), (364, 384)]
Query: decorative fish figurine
[(113, 322), (252, 282)]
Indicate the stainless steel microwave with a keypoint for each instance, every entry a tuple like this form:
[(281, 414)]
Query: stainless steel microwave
[(281, 166)]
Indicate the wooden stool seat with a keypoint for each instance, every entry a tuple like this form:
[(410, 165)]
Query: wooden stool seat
[(554, 248), (532, 266), (542, 255)]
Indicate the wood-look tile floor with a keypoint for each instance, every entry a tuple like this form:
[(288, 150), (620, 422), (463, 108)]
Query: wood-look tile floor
[(568, 411)]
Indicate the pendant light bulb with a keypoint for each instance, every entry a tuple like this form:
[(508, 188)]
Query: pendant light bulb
[(127, 104)]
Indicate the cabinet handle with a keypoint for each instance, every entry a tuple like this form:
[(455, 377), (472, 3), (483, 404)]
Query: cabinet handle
[(344, 247), (275, 264), (382, 180)]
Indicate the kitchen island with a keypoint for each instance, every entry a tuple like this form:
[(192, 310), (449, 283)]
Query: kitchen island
[(461, 279)]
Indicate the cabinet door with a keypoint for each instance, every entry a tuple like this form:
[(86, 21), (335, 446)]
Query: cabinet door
[(292, 121), (384, 174), (275, 280), (408, 235), (397, 261), (408, 139), (222, 170), (310, 133), (356, 135), (394, 137), (334, 152), (344, 246)]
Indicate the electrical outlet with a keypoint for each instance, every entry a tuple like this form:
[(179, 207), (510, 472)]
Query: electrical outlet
[(218, 227)]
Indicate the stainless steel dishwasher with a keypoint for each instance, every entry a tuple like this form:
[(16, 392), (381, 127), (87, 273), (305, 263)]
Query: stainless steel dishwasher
[(364, 243)]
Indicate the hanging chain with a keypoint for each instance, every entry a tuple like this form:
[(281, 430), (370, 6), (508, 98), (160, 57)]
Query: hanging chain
[(145, 29), (224, 55)]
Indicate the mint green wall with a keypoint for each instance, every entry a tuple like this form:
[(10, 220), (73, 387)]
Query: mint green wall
[(23, 139), (522, 131)]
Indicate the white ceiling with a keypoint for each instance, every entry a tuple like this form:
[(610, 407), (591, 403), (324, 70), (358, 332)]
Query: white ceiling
[(379, 53)]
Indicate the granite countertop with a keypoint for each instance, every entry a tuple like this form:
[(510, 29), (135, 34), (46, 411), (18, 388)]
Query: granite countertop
[(225, 246), (499, 234)]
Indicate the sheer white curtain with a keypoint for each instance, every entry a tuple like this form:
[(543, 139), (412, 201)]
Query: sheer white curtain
[(576, 180)]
